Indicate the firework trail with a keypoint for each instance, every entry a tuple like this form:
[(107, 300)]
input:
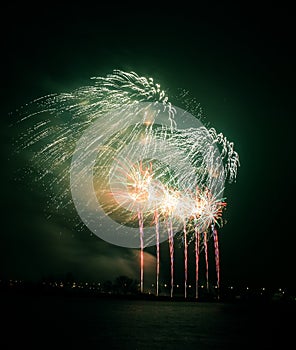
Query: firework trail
[(171, 247), (116, 149), (207, 213), (196, 232), (157, 250), (141, 227), (217, 255), (205, 244), (185, 259)]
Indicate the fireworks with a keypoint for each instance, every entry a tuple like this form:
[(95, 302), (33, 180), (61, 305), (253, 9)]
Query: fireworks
[(131, 162)]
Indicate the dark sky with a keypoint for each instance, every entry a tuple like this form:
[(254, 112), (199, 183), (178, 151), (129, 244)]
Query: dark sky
[(237, 62)]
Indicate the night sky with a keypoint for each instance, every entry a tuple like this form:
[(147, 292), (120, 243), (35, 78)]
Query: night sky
[(236, 62)]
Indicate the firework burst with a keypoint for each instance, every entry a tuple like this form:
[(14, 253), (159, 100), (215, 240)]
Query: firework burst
[(129, 160)]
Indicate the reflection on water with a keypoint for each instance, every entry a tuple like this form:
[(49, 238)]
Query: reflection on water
[(128, 324)]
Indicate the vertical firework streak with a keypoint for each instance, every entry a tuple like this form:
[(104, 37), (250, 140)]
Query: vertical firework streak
[(185, 260), (205, 244), (217, 257), (141, 228), (157, 250), (196, 233), (171, 247), (139, 180)]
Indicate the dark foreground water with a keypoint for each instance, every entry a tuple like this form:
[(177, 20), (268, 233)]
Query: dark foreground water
[(92, 323)]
